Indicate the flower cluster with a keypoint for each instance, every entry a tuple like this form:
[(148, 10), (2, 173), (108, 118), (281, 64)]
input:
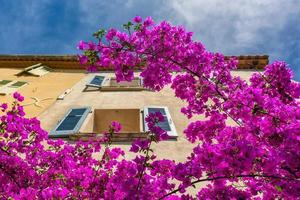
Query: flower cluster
[(153, 120), (116, 126), (261, 149), (256, 158)]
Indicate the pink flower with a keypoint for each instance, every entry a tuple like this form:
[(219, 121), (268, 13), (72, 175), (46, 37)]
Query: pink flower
[(137, 19), (116, 126), (91, 46), (106, 62), (4, 106), (111, 34), (148, 21), (81, 45), (17, 96), (83, 59), (21, 98), (92, 68)]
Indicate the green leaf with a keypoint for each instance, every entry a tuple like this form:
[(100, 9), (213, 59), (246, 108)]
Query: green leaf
[(137, 27), (99, 34), (128, 25), (278, 188)]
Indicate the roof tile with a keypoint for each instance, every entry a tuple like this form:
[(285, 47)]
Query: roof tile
[(71, 61)]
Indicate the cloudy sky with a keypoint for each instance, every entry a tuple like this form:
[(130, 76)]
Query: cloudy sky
[(248, 27)]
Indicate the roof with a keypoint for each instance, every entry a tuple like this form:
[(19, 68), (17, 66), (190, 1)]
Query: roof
[(71, 61)]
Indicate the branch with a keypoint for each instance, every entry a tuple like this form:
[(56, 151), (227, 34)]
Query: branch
[(144, 167), (215, 84), (228, 177)]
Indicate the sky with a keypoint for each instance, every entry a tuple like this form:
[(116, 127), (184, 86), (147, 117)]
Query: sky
[(240, 27)]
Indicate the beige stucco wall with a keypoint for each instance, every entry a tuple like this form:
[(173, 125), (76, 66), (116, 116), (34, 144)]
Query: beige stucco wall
[(176, 150), (49, 86), (54, 83)]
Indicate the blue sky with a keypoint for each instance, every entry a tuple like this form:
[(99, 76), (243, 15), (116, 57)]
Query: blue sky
[(232, 27)]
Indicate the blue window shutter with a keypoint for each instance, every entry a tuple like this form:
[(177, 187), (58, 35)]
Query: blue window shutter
[(97, 81), (71, 122), (77, 111), (166, 125)]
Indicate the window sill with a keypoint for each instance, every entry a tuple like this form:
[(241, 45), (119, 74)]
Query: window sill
[(112, 88), (117, 137)]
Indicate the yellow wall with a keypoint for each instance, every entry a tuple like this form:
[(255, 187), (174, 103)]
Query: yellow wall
[(50, 86)]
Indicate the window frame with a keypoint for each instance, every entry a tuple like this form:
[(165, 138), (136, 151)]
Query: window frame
[(10, 88), (54, 133), (173, 133), (109, 87), (89, 84), (36, 71), (8, 82), (115, 79), (17, 86)]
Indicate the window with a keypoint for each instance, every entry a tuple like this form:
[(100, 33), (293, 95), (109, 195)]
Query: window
[(11, 87), (112, 85), (40, 71), (132, 121), (96, 81), (166, 125), (18, 84), (36, 70), (4, 82), (71, 122)]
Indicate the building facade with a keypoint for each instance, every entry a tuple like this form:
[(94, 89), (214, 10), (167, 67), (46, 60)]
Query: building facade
[(68, 100)]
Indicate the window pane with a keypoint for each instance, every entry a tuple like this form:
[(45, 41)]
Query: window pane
[(164, 125), (154, 110), (4, 82), (78, 111), (97, 80), (18, 84), (69, 123)]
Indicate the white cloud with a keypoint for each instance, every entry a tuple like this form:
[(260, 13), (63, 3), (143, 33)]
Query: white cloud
[(232, 26), (227, 26)]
